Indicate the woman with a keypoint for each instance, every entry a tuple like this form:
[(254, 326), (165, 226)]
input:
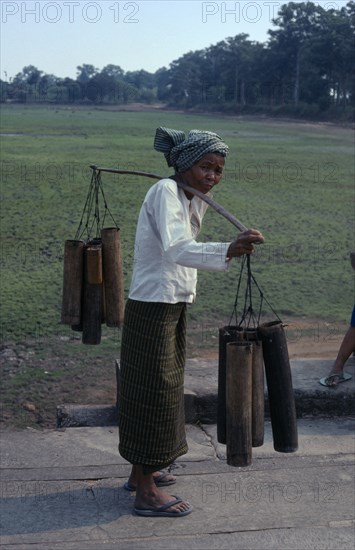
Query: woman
[(167, 256)]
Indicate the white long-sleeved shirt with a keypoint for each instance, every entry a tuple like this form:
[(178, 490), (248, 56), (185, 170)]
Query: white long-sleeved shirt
[(167, 256)]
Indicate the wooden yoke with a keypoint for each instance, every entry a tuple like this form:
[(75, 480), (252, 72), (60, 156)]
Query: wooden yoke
[(212, 203)]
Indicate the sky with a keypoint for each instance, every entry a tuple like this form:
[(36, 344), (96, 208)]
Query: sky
[(57, 37)]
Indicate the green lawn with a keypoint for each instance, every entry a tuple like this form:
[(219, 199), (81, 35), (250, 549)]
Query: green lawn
[(293, 181)]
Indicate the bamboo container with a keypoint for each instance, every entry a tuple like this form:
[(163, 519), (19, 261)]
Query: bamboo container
[(72, 282), (279, 384), (238, 403), (92, 306), (258, 399), (229, 333), (113, 277)]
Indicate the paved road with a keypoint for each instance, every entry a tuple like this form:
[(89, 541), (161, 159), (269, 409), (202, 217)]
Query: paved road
[(64, 490)]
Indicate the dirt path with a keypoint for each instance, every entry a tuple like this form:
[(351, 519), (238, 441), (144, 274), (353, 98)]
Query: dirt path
[(302, 347), (305, 338)]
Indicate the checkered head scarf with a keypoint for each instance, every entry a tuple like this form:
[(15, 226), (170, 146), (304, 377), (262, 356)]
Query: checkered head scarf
[(183, 152)]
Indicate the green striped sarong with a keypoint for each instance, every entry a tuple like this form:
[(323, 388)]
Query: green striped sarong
[(151, 401)]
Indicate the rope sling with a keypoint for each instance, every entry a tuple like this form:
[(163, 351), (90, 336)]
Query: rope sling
[(249, 318), (91, 210)]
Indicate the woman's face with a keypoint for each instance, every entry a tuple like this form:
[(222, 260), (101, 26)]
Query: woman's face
[(206, 173)]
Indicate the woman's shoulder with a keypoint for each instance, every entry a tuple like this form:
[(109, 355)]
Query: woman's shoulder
[(168, 183), (163, 189), (164, 185)]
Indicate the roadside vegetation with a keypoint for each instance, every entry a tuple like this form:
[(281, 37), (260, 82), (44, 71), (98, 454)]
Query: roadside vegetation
[(304, 70)]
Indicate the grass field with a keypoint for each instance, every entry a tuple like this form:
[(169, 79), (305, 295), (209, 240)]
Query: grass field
[(293, 181)]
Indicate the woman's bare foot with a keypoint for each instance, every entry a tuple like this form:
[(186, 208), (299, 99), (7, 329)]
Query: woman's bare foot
[(150, 498), (334, 376)]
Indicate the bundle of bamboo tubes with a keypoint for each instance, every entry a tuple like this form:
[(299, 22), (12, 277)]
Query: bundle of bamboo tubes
[(240, 393), (247, 349), (93, 285), (243, 354)]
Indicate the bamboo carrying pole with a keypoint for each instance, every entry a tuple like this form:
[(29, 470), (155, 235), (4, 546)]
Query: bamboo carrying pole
[(217, 207), (113, 277), (238, 403), (92, 306), (279, 384), (72, 282)]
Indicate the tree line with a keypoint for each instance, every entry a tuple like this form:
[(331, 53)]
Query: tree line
[(305, 69)]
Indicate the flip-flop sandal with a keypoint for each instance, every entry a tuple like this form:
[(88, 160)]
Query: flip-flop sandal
[(343, 377), (161, 511), (160, 481)]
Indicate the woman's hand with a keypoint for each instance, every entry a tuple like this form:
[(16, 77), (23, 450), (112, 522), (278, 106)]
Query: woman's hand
[(243, 244)]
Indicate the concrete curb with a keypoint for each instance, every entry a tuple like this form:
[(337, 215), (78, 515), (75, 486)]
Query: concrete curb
[(201, 387)]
